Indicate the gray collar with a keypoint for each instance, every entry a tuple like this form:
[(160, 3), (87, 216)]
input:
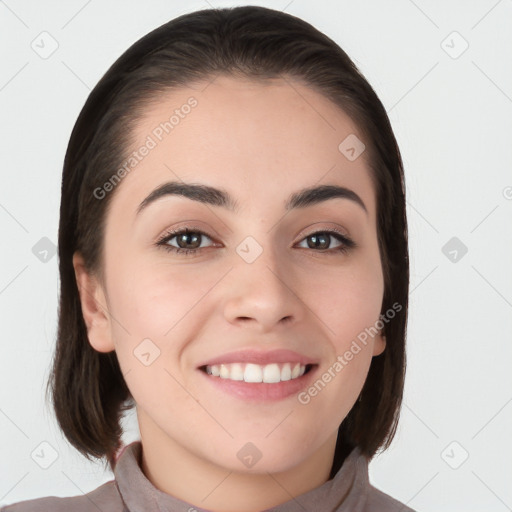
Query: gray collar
[(346, 492)]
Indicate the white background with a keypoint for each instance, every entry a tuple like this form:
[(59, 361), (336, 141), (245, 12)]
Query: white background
[(453, 121)]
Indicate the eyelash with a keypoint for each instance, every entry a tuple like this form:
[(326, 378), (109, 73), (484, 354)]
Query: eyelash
[(346, 243)]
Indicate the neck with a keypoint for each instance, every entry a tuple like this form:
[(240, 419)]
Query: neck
[(174, 470)]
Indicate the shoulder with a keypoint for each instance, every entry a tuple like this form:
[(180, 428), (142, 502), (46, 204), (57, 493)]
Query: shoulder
[(106, 498), (378, 501)]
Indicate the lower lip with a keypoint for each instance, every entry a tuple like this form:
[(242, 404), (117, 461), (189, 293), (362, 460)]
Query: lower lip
[(261, 391)]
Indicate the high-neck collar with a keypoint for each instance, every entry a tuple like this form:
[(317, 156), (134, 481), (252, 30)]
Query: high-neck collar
[(346, 492)]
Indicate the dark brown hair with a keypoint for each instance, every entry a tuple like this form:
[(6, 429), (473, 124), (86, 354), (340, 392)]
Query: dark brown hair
[(88, 390)]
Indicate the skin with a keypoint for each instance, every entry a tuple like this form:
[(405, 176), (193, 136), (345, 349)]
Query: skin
[(260, 141)]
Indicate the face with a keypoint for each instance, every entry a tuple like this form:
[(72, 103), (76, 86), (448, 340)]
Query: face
[(264, 291)]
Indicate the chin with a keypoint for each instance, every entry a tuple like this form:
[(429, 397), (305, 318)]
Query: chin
[(262, 458)]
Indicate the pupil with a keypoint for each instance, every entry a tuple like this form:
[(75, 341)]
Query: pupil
[(184, 237), (317, 243)]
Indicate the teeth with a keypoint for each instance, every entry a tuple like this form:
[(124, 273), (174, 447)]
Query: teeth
[(249, 372), (236, 372), (271, 373), (224, 372), (286, 372), (253, 373)]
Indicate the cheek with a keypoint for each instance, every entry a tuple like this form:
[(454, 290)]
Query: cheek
[(151, 300), (347, 302), (154, 312)]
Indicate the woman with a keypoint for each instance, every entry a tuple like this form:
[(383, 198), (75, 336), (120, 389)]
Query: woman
[(234, 263)]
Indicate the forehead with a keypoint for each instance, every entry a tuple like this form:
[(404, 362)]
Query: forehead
[(254, 138)]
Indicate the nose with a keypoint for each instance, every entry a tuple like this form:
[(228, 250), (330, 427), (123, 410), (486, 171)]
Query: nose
[(263, 295)]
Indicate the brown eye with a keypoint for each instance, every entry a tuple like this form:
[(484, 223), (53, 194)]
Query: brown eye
[(188, 238), (188, 241), (321, 240)]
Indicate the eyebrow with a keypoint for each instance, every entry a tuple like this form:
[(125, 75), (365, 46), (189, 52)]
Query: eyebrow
[(219, 197)]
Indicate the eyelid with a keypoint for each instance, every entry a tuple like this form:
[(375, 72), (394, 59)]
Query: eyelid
[(169, 235), (181, 229), (311, 230)]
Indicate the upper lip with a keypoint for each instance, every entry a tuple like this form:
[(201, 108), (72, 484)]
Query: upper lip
[(260, 357)]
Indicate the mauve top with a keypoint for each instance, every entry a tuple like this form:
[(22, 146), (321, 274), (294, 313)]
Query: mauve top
[(131, 491)]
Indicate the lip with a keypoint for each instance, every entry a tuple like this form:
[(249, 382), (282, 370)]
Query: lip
[(261, 392), (260, 357)]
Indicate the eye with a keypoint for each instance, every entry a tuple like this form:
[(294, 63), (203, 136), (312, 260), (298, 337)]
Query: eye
[(183, 237), (321, 240), (193, 237)]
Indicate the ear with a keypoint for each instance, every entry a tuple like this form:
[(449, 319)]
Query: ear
[(379, 344), (94, 307)]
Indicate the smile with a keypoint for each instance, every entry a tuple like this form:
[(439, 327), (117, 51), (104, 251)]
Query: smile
[(250, 372)]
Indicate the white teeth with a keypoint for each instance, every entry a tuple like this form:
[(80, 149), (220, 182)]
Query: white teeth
[(237, 372), (253, 373), (269, 373), (286, 372), (224, 371)]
